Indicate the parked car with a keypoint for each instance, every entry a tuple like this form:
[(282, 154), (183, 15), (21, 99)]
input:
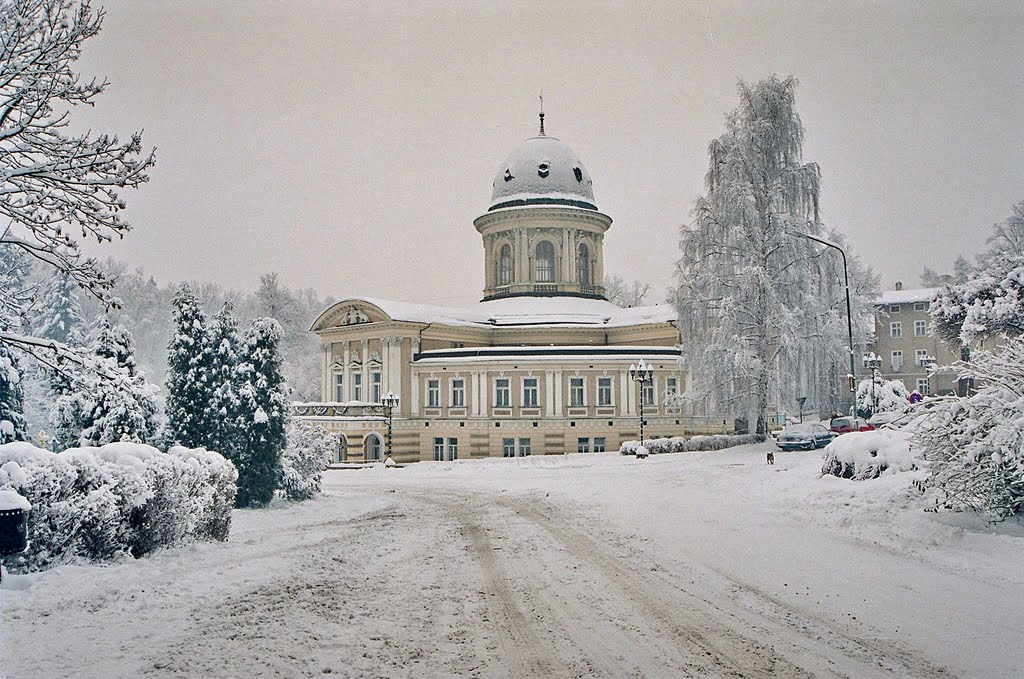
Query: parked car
[(844, 425), (878, 419), (806, 436)]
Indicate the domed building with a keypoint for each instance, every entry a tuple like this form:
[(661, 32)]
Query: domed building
[(539, 366)]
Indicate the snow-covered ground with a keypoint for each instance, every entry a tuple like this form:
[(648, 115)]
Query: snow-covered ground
[(684, 565)]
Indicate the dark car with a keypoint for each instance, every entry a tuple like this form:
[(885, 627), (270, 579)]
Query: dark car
[(805, 436), (844, 425)]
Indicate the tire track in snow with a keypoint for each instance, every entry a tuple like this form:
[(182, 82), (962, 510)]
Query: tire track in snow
[(727, 651)]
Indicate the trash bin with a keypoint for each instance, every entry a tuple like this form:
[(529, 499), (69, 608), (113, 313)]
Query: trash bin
[(13, 523)]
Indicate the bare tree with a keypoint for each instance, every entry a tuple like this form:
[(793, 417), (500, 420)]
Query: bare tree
[(624, 294), (54, 184)]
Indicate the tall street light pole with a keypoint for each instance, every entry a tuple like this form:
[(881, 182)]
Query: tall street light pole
[(849, 313), (641, 373), (390, 402)]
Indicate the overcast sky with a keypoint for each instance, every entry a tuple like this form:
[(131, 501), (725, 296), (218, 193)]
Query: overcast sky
[(349, 146)]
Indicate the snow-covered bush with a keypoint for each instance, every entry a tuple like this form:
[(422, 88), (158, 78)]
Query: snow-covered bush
[(976, 444), (97, 504), (678, 444), (882, 396), (304, 460), (864, 455)]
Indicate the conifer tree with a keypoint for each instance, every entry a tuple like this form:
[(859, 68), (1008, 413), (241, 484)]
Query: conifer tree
[(117, 405), (262, 413), (60, 314), (224, 381), (12, 421), (189, 364)]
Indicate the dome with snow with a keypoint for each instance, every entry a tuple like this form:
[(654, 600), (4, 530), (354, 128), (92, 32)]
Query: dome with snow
[(543, 171)]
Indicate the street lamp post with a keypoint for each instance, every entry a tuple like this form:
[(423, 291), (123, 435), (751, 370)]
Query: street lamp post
[(641, 373), (873, 362), (849, 313), (390, 402)]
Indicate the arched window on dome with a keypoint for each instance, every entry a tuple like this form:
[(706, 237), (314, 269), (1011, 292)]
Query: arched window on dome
[(544, 268), (505, 265), (583, 264)]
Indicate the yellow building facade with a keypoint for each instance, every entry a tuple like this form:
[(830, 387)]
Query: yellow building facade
[(539, 366)]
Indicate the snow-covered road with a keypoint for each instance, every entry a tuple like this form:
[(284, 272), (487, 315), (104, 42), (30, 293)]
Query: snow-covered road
[(688, 565)]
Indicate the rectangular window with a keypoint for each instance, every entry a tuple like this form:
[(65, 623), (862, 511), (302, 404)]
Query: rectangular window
[(357, 386), (647, 392), (920, 306), (502, 393), (530, 392), (599, 444), (576, 392), (583, 445), (921, 358), (604, 391), (453, 449), (339, 387), (438, 449), (524, 447), (895, 329), (894, 308), (508, 447), (923, 386), (671, 385), (433, 393), (375, 382), (459, 393), (920, 328), (897, 360)]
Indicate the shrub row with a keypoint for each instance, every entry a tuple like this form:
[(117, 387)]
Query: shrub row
[(101, 504), (678, 444)]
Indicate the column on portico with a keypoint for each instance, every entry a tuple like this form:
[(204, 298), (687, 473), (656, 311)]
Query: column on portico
[(326, 375), (624, 384), (346, 355), (549, 393), (559, 411), (366, 370)]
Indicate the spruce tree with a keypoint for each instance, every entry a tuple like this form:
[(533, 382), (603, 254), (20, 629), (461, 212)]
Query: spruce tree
[(224, 381), (12, 421), (189, 364), (60, 314), (262, 413), (116, 404)]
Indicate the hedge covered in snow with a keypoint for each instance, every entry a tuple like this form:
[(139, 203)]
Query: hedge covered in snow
[(304, 460), (864, 455), (678, 444), (99, 504)]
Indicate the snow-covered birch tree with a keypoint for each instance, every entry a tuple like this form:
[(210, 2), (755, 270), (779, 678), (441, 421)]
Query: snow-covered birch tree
[(55, 184), (758, 304)]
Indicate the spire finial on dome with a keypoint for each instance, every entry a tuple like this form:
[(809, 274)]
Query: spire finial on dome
[(542, 113)]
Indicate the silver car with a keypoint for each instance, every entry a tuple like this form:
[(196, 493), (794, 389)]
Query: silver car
[(806, 436)]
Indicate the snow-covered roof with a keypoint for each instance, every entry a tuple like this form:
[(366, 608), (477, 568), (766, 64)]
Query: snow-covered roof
[(542, 171), (908, 296), (522, 311)]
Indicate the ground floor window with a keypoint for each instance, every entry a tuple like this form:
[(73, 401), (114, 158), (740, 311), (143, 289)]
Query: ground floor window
[(342, 451), (372, 447), (583, 444), (923, 386), (599, 444), (444, 453), (508, 447), (524, 447)]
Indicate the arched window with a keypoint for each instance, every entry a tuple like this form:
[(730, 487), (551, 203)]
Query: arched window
[(505, 265), (583, 264), (372, 447), (545, 264), (342, 448)]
